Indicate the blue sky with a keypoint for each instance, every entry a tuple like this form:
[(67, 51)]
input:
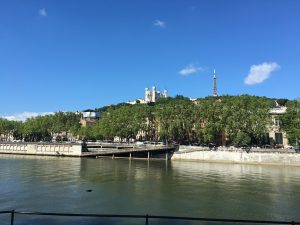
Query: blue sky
[(72, 55)]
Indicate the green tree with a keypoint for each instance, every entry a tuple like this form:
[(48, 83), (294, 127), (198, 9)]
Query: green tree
[(7, 129), (247, 119), (42, 128), (37, 129), (209, 119), (244, 119), (176, 119), (125, 122), (291, 121)]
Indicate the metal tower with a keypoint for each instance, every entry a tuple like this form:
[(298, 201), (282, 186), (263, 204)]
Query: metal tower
[(215, 84)]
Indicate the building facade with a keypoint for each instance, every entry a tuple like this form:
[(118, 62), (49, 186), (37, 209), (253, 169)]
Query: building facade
[(277, 136), (89, 117)]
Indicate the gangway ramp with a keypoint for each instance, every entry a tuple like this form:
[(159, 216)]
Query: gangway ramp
[(145, 151)]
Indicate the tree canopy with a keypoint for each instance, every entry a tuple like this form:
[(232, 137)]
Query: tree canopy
[(291, 122), (41, 128), (244, 119)]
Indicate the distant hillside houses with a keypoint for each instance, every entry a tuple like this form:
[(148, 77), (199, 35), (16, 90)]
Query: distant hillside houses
[(89, 117)]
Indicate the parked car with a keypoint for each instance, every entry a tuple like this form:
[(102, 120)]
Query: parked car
[(255, 147), (212, 146), (278, 146), (267, 146), (195, 144), (139, 143), (246, 148)]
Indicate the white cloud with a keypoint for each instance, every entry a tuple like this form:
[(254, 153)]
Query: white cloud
[(43, 12), (25, 115), (190, 69), (259, 73), (159, 23)]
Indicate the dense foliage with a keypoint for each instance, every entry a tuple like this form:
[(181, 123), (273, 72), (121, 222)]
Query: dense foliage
[(41, 128), (291, 122), (244, 119)]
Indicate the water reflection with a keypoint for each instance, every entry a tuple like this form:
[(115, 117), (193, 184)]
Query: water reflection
[(123, 186)]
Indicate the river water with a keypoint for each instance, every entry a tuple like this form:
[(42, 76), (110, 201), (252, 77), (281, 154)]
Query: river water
[(122, 186)]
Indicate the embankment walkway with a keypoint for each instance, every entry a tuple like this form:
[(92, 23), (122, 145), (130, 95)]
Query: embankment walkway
[(254, 156)]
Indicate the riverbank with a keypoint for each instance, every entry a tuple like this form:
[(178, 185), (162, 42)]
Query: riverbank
[(271, 157), (192, 153)]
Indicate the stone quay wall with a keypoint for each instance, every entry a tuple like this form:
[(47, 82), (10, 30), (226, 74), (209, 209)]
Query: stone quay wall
[(55, 149), (272, 158)]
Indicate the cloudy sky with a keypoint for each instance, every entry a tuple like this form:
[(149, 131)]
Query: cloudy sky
[(58, 56)]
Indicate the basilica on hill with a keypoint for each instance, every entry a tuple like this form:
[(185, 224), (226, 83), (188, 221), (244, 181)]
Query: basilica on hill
[(152, 95)]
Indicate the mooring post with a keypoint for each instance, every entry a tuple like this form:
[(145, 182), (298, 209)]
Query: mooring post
[(148, 155), (167, 156), (130, 155), (12, 217), (113, 156)]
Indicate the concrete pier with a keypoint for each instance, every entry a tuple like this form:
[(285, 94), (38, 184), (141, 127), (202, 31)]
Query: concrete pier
[(82, 150), (55, 149)]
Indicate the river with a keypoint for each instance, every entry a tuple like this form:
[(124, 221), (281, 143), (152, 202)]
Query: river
[(157, 187)]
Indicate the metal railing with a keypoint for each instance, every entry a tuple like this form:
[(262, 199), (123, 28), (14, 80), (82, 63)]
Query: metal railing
[(145, 217)]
